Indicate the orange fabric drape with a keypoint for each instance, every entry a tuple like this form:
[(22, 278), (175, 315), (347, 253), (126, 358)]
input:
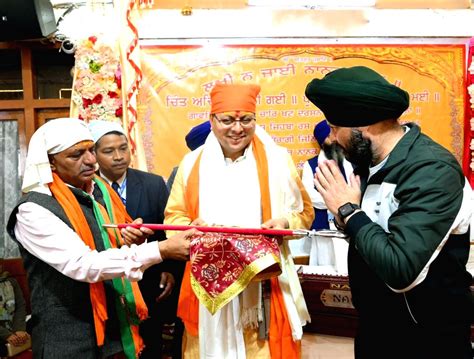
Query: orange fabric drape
[(282, 345), (188, 303), (280, 338), (73, 211), (281, 341), (468, 155)]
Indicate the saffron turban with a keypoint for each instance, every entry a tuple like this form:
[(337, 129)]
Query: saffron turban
[(53, 137), (100, 128), (321, 132), (234, 97), (198, 134), (357, 96)]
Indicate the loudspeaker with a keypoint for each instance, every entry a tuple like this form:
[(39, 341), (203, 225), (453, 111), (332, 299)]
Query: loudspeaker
[(26, 19)]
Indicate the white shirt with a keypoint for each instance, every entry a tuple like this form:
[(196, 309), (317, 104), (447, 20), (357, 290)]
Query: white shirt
[(48, 238), (307, 177), (122, 182), (231, 196)]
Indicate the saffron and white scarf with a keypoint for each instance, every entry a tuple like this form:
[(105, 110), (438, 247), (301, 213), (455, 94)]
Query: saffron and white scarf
[(229, 194)]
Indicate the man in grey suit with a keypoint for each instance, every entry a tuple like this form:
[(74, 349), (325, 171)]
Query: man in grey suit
[(145, 196)]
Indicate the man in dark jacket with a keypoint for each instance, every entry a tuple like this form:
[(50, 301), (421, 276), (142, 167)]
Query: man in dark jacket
[(408, 224), (144, 195)]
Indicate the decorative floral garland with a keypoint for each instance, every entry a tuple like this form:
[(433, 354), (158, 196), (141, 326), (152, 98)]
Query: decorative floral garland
[(98, 81), (132, 90)]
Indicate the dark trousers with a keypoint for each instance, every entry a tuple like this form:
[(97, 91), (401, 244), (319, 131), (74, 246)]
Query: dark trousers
[(177, 339), (437, 341), (151, 332), (120, 355), (3, 348)]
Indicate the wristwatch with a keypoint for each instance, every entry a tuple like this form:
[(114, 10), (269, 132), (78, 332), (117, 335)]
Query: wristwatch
[(347, 209)]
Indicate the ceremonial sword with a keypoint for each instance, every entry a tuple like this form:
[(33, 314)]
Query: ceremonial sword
[(232, 230)]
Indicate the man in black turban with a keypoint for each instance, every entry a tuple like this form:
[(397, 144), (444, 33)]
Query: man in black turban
[(356, 97), (408, 227)]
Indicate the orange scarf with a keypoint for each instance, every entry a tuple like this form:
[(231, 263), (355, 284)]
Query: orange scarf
[(69, 203), (281, 340)]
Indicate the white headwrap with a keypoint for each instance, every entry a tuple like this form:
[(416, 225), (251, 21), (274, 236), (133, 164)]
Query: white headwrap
[(100, 128), (53, 137)]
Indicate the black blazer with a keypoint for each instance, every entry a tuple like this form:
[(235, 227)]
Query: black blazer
[(147, 196)]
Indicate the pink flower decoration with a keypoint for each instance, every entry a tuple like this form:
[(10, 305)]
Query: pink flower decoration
[(97, 89)]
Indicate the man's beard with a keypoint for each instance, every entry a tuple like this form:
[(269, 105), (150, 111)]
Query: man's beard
[(359, 151), (333, 151)]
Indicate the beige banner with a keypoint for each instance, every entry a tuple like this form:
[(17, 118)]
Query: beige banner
[(174, 95)]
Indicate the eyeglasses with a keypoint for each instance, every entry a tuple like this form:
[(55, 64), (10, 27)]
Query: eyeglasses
[(229, 121)]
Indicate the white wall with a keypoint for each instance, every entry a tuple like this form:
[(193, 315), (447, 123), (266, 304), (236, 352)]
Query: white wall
[(299, 25), (268, 23)]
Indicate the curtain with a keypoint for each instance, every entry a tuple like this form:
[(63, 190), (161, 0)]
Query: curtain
[(9, 183)]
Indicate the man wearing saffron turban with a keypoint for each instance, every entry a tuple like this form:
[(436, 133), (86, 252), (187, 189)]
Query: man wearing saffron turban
[(240, 177), (84, 297), (408, 221)]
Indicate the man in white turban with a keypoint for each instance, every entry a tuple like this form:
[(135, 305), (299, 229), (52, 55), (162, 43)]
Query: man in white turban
[(84, 296)]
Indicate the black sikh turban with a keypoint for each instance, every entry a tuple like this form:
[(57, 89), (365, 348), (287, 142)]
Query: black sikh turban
[(356, 97)]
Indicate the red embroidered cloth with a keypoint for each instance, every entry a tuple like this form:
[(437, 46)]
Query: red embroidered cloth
[(222, 265)]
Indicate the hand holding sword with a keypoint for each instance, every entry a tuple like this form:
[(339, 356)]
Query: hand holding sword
[(133, 233), (266, 231), (175, 247)]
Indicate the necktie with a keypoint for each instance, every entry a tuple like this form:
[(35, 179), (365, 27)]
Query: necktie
[(116, 187)]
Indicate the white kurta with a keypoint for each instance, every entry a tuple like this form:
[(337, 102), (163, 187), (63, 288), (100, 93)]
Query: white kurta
[(50, 239), (330, 254), (229, 194)]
